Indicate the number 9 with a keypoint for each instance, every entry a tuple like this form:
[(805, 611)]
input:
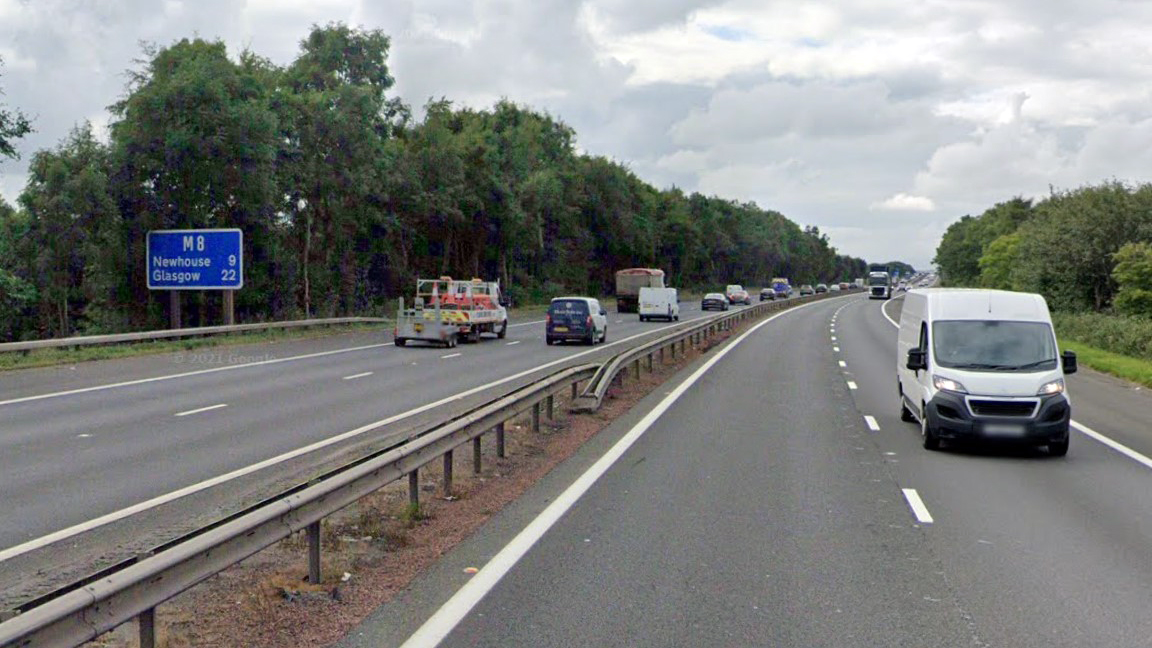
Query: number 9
[(231, 259)]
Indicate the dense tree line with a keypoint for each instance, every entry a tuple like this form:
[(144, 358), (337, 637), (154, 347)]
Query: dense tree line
[(1085, 249), (344, 199)]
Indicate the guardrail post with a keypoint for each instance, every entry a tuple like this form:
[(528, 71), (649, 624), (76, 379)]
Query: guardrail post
[(636, 366), (147, 622), (314, 552), (414, 489), (476, 459), (500, 440), (650, 370), (683, 346), (447, 473), (673, 350), (661, 355), (536, 416), (551, 408), (575, 390)]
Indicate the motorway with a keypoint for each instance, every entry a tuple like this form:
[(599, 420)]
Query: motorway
[(93, 440), (772, 497)]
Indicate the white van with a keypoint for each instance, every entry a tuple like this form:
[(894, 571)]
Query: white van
[(659, 303), (982, 364)]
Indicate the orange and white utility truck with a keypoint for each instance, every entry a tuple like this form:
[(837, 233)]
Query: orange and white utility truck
[(447, 311)]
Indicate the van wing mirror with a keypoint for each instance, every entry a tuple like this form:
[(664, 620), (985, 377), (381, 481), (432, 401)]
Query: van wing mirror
[(604, 312), (917, 359), (1068, 359)]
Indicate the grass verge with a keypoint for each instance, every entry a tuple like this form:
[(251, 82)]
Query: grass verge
[(63, 355), (1121, 366)]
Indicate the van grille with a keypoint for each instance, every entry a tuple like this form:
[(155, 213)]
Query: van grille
[(1024, 408)]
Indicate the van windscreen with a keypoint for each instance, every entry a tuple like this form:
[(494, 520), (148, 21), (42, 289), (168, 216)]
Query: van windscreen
[(994, 345)]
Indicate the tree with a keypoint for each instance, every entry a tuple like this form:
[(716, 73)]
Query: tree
[(1133, 275), (17, 293), (70, 217), (195, 144), (13, 126), (998, 261)]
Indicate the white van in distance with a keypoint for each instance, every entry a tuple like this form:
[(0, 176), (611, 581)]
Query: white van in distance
[(982, 364), (659, 303)]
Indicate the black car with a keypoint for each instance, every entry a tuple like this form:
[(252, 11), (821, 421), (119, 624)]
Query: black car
[(806, 289), (714, 301), (767, 294), (821, 288)]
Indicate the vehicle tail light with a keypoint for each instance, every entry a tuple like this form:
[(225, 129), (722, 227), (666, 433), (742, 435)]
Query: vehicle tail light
[(547, 319), (589, 322)]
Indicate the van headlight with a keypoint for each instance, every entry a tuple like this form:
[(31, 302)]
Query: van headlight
[(1054, 387), (947, 384)]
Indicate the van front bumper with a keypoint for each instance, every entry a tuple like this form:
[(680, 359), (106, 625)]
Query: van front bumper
[(949, 415)]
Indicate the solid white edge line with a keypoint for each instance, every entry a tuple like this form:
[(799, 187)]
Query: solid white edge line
[(359, 375), (77, 529), (1115, 445), (851, 385), (872, 424), (445, 619), (884, 312), (202, 409), (451, 355), (917, 505)]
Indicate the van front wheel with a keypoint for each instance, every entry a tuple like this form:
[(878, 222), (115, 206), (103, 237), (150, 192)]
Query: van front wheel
[(905, 413), (929, 438)]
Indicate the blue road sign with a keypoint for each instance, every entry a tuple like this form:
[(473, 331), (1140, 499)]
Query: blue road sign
[(209, 259)]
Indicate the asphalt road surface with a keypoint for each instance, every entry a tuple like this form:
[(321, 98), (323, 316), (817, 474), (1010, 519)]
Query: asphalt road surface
[(80, 442), (780, 501)]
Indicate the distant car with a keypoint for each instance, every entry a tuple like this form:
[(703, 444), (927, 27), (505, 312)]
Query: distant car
[(582, 319), (806, 289), (767, 294), (737, 295), (714, 301), (834, 288), (844, 285), (821, 288)]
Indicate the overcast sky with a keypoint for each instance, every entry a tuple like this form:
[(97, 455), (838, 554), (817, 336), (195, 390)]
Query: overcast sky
[(879, 121)]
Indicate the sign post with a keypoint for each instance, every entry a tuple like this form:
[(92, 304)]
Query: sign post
[(207, 259)]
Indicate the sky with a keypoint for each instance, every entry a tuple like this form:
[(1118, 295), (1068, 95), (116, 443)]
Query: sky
[(879, 121)]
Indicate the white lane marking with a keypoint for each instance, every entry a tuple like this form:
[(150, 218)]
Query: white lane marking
[(201, 372), (842, 363), (833, 338), (619, 321), (836, 349), (872, 424), (851, 385), (202, 409), (917, 505), (83, 435), (359, 375), (77, 529), (526, 323), (451, 355), (513, 343), (445, 619)]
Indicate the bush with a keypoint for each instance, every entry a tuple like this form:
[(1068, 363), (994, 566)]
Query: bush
[(1124, 334)]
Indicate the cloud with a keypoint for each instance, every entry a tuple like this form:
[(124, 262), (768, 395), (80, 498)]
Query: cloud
[(848, 115), (905, 202)]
